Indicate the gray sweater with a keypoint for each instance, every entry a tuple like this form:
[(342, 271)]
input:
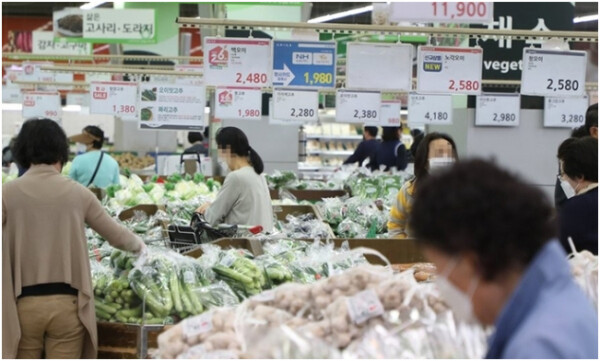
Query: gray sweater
[(243, 200)]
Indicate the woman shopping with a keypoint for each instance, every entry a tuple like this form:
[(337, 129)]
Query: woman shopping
[(244, 198), (47, 298)]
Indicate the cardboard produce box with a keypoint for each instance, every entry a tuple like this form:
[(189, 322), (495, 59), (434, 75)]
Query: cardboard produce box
[(149, 209)]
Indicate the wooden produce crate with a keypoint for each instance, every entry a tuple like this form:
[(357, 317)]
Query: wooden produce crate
[(313, 195), (126, 341), (252, 245)]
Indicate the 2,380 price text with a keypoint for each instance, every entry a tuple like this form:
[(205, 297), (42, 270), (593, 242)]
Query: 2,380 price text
[(365, 114)]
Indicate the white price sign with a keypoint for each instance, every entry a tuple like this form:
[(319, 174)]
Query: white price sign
[(498, 110), (11, 94), (390, 114), (197, 325), (363, 306), (237, 62), (452, 12), (238, 103), (189, 80), (81, 99), (565, 112), (295, 106), (41, 104), (43, 43), (430, 109), (32, 71), (379, 66), (114, 98), (357, 106), (449, 70), (172, 106), (553, 73)]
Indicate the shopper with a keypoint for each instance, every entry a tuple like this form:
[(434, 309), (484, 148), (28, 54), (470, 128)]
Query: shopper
[(366, 148), (196, 139), (94, 167), (578, 216), (244, 198), (47, 296), (492, 239), (436, 150), (591, 120), (418, 136), (391, 152)]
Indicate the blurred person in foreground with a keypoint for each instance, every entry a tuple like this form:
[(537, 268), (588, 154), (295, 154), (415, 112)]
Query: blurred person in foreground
[(493, 240)]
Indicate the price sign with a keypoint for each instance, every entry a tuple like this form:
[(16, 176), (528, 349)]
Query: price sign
[(171, 106), (197, 325), (43, 43), (498, 110), (565, 112), (357, 106), (81, 99), (238, 103), (42, 104), (379, 66), (237, 62), (429, 109), (11, 94), (114, 98), (304, 64), (32, 71), (449, 70), (553, 73), (452, 12), (189, 80), (295, 106), (363, 306)]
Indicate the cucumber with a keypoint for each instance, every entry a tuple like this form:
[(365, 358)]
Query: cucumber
[(102, 315), (105, 308)]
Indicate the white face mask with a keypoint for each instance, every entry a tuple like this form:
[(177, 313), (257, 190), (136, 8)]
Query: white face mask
[(440, 163), (567, 189), (458, 301)]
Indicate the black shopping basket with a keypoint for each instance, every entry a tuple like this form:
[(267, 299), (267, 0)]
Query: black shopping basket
[(184, 238)]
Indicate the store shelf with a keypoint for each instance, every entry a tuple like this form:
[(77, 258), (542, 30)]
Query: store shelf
[(334, 137)]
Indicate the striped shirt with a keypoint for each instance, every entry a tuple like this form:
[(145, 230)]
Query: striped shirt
[(398, 222)]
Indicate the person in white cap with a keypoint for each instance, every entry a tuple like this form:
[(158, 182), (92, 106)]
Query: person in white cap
[(94, 167)]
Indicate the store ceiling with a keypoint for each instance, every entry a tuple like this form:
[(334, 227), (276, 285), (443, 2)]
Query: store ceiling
[(318, 9)]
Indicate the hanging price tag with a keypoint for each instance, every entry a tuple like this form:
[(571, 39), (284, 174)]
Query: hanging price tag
[(452, 12), (237, 62), (172, 106), (304, 63), (553, 73), (391, 104), (114, 98), (189, 80), (357, 106), (197, 325), (42, 104), (295, 106), (238, 103), (81, 99), (449, 70), (363, 306), (32, 71), (429, 109), (565, 112), (379, 66), (498, 110)]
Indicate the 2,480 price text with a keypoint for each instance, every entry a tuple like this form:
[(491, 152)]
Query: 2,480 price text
[(252, 78)]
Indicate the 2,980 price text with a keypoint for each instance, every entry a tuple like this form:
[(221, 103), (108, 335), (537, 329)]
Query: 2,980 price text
[(504, 117)]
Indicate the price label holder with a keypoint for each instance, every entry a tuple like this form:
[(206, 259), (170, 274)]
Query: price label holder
[(565, 112), (114, 98), (379, 66), (501, 110), (429, 109), (353, 106), (189, 80), (391, 104), (237, 62), (449, 70), (363, 306), (450, 12), (553, 73), (42, 104), (172, 106), (197, 325), (238, 103), (309, 64), (295, 106), (32, 71)]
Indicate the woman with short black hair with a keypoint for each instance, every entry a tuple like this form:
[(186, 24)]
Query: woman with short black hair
[(390, 152), (47, 297), (244, 198)]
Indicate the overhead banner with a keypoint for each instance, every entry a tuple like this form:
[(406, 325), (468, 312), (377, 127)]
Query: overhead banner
[(308, 64), (444, 12), (375, 66), (172, 106), (43, 43)]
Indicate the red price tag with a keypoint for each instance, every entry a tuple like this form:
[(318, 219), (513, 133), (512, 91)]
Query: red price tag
[(251, 79)]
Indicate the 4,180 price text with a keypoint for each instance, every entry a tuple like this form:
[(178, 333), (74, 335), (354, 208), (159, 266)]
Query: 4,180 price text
[(252, 78), (459, 9), (252, 113), (436, 116), (463, 85), (562, 84), (365, 114), (571, 118), (127, 109), (302, 113), (318, 78), (504, 117)]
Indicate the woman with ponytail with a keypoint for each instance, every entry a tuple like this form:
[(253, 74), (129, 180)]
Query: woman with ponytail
[(244, 197)]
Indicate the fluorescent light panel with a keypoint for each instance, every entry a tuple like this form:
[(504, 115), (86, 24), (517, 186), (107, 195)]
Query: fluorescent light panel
[(343, 14), (91, 5), (583, 19)]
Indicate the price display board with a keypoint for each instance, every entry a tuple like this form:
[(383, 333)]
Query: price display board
[(11, 92), (295, 106), (114, 98), (379, 66), (451, 12), (42, 104), (189, 80), (79, 98), (391, 104), (237, 62), (449, 70), (308, 64), (238, 103), (43, 43), (172, 106), (500, 109), (429, 109), (353, 106), (553, 73), (32, 71), (565, 112)]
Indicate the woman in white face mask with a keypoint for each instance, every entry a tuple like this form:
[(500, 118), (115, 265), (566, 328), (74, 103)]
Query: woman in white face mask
[(493, 240), (578, 215), (436, 151)]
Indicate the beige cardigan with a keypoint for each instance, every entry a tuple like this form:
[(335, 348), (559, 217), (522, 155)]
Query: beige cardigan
[(43, 241)]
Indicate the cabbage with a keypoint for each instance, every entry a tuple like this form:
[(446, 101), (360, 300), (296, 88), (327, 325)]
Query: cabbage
[(157, 193), (66, 168)]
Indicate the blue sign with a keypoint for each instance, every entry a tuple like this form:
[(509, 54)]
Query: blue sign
[(304, 64)]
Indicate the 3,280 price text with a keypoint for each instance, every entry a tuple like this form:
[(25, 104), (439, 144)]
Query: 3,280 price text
[(572, 118)]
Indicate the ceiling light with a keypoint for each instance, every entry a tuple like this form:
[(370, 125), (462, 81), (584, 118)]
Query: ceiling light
[(343, 14), (583, 19), (91, 5)]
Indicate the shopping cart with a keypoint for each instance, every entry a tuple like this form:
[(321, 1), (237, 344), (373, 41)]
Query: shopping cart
[(185, 238)]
